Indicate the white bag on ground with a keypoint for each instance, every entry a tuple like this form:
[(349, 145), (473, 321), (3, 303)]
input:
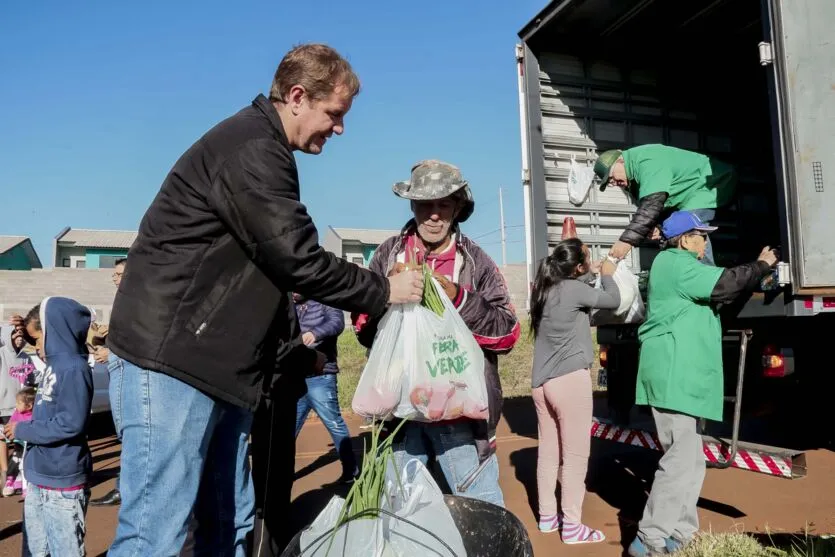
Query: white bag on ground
[(357, 537), (423, 365), (418, 499), (631, 309), (580, 179), (415, 497)]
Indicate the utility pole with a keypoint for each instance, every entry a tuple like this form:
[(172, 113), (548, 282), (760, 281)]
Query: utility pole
[(504, 237)]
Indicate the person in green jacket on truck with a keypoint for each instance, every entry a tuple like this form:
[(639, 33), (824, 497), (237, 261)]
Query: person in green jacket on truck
[(680, 374), (662, 177)]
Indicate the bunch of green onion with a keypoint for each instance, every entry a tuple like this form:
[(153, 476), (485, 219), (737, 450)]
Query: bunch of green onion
[(431, 297), (368, 489)]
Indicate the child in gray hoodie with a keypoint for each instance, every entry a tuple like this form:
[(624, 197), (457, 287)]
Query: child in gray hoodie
[(15, 368)]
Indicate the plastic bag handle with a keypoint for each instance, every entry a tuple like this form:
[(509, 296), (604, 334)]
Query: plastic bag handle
[(372, 513)]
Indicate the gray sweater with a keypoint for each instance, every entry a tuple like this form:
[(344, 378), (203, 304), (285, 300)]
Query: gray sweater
[(14, 367), (564, 341)]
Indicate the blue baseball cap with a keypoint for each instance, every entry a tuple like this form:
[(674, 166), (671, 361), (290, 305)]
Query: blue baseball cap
[(682, 222)]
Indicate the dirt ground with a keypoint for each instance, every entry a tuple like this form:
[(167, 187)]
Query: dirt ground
[(619, 477)]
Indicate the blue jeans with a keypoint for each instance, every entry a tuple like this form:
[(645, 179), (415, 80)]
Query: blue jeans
[(54, 522), (706, 216), (181, 451), (322, 398), (454, 447), (113, 362)]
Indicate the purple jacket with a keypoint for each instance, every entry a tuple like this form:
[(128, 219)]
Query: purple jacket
[(326, 324)]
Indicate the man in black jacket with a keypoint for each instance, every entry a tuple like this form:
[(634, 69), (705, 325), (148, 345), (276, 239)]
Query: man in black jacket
[(204, 307)]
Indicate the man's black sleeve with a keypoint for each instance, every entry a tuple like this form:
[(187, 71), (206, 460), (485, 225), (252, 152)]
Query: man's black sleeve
[(645, 217), (256, 195)]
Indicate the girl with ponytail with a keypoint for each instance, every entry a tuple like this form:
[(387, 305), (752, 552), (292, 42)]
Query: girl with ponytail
[(561, 382)]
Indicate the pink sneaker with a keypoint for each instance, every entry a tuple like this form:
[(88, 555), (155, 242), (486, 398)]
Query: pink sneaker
[(9, 486)]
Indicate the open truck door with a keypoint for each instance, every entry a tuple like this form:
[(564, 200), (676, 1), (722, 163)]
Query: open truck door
[(801, 53)]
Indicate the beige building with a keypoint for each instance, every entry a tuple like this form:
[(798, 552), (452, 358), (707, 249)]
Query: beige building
[(356, 245), (81, 248)]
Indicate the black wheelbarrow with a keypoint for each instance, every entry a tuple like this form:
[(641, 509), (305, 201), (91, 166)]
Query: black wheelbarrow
[(487, 530)]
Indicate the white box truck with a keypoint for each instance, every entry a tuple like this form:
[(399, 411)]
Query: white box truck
[(753, 83)]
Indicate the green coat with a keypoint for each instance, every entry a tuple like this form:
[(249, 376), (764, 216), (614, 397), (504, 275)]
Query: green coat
[(680, 365), (691, 180)]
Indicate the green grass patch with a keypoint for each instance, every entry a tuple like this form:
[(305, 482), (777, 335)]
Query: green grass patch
[(733, 544)]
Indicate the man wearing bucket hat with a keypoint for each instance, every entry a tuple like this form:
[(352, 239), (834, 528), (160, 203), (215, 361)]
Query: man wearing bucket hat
[(662, 177), (680, 372), (440, 200)]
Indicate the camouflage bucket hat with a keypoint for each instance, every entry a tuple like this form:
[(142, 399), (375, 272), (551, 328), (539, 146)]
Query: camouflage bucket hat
[(432, 179), (603, 165)]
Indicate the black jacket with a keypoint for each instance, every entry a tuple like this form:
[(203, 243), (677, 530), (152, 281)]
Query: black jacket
[(205, 298), (645, 218), (737, 280)]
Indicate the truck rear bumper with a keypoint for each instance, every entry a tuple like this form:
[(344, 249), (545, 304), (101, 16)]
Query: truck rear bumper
[(773, 461)]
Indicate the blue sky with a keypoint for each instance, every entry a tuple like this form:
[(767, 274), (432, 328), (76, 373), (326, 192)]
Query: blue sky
[(99, 99)]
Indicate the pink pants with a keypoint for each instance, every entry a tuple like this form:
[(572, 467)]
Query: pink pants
[(564, 413)]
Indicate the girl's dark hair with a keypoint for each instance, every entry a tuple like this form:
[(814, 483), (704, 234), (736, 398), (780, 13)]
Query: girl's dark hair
[(27, 395), (560, 265), (33, 317)]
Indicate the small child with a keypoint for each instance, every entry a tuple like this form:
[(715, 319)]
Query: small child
[(23, 413), (58, 463), (16, 369)]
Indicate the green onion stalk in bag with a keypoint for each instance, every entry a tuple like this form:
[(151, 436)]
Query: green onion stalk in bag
[(431, 297), (368, 489)]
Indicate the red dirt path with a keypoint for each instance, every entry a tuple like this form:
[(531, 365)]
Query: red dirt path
[(618, 479)]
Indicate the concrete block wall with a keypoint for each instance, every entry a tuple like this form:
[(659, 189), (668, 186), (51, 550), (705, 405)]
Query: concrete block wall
[(22, 290), (516, 277)]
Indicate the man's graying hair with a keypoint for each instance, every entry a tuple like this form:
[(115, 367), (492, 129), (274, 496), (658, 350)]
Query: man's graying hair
[(316, 67), (675, 241)]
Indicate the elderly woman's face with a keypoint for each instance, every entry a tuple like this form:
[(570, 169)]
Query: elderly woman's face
[(696, 243), (434, 218)]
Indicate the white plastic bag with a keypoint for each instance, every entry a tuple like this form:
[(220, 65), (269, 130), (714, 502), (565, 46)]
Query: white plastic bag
[(580, 179), (416, 497), (410, 494), (378, 391), (423, 366), (631, 309), (444, 376), (357, 537)]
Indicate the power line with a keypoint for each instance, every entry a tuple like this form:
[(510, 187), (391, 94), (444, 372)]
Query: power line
[(499, 242), (494, 231)]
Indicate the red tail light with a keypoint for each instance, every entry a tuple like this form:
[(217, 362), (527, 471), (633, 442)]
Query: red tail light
[(777, 362), (604, 355)]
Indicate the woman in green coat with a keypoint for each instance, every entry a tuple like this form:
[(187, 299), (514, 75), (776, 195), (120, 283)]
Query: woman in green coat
[(680, 372)]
